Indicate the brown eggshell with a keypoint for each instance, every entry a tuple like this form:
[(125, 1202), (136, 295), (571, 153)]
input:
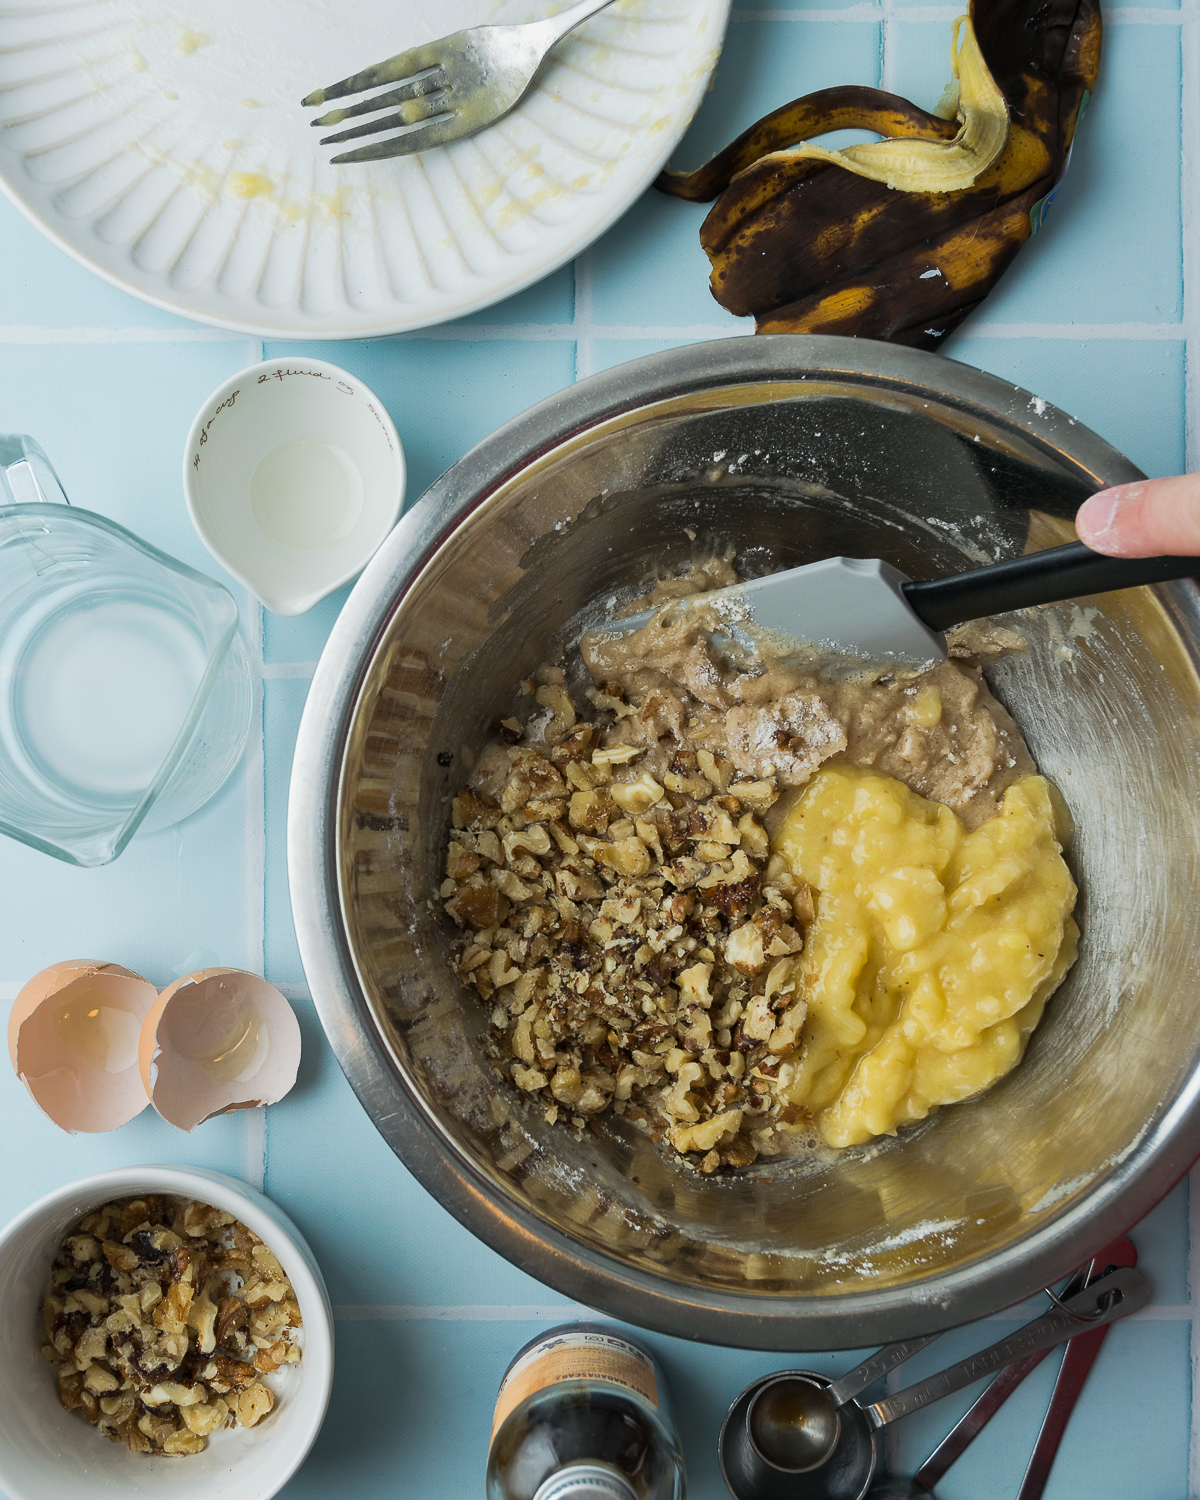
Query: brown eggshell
[(73, 1035), (216, 1041)]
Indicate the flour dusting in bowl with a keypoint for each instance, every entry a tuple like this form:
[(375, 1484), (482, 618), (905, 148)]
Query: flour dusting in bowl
[(748, 905)]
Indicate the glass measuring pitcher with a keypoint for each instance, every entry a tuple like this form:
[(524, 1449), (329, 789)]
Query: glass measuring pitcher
[(125, 690)]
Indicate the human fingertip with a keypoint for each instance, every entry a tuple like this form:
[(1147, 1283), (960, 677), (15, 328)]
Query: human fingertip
[(1096, 519)]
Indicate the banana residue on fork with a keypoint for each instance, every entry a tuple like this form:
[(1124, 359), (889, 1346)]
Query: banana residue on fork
[(750, 905)]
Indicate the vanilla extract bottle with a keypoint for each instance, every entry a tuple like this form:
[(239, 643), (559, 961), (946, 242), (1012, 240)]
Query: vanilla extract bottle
[(582, 1414)]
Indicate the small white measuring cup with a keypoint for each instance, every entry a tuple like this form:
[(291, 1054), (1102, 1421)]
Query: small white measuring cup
[(293, 475)]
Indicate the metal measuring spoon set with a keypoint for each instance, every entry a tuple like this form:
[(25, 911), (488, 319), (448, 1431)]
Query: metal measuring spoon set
[(796, 1435)]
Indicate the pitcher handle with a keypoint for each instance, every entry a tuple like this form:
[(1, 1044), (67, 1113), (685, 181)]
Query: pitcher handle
[(27, 476)]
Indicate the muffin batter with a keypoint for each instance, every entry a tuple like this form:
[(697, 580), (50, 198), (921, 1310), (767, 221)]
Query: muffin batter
[(941, 732), (744, 903)]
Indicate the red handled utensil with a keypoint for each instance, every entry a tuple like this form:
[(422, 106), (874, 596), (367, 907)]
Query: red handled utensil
[(1078, 1360)]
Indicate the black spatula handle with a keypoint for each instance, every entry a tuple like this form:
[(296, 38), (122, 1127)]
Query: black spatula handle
[(1041, 578)]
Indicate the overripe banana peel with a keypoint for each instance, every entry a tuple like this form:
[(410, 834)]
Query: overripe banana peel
[(918, 164), (807, 242)]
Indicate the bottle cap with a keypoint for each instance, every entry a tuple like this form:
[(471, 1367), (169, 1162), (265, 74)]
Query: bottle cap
[(586, 1482)]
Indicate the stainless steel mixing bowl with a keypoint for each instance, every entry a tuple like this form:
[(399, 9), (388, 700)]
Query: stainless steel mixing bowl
[(788, 448)]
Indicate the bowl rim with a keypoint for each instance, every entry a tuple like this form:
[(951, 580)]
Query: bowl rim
[(259, 1213), (1149, 1168)]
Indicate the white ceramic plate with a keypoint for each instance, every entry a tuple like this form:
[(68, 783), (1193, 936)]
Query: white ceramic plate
[(161, 143)]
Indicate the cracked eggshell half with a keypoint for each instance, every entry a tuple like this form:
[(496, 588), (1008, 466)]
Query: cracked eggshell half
[(216, 1041), (73, 1035)]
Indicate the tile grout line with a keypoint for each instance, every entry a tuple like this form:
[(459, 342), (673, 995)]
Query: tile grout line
[(582, 325), (275, 671), (887, 48), (1189, 213), (738, 328), (256, 843), (1080, 331), (256, 1147)]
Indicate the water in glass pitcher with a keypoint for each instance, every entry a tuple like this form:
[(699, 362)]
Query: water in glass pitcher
[(104, 687), (125, 692)]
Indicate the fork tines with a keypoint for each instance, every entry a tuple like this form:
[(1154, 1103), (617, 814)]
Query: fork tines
[(403, 65), (420, 98), (414, 97)]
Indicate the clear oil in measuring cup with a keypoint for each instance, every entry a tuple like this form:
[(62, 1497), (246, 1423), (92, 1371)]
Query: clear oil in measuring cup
[(306, 494)]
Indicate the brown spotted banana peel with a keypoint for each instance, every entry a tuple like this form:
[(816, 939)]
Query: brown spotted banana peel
[(807, 245), (914, 164)]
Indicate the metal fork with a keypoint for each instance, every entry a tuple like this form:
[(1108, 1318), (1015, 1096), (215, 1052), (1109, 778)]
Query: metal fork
[(460, 84)]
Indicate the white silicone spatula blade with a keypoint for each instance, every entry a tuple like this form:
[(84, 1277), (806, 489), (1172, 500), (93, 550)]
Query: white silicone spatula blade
[(852, 606), (865, 608)]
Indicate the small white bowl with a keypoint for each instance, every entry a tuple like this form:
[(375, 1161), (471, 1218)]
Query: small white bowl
[(293, 475), (49, 1453)]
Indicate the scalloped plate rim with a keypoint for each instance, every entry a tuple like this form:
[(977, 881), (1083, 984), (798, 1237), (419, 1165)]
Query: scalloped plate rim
[(322, 331)]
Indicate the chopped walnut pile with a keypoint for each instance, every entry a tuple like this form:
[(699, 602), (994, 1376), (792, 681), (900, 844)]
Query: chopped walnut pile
[(625, 921), (163, 1314)]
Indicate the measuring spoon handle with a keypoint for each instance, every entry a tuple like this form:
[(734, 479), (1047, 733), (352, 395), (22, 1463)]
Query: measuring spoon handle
[(1092, 1309), (1080, 1356), (874, 1368), (967, 1429)]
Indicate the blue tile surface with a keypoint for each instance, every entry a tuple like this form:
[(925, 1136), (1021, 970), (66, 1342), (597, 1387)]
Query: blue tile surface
[(1091, 317), (283, 703), (1143, 1372), (1129, 390), (45, 288), (1111, 249), (446, 395)]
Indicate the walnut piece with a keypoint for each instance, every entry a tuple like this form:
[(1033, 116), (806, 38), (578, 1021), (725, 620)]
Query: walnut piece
[(159, 1308), (623, 920)]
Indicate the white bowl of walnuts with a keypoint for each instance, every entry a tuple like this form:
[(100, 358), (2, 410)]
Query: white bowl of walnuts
[(158, 1325)]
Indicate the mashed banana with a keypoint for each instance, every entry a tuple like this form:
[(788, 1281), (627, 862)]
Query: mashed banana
[(933, 951), (744, 906)]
